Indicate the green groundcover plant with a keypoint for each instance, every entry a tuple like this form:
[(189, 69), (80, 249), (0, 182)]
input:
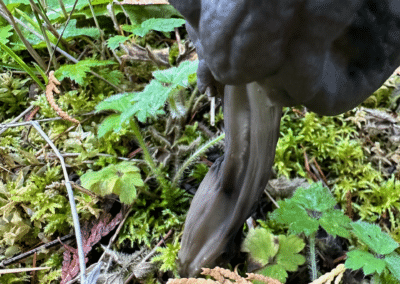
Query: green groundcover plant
[(303, 213)]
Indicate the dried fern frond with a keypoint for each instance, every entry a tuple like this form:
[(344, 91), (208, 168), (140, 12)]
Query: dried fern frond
[(192, 281), (52, 87), (224, 276), (328, 277), (262, 278), (221, 275)]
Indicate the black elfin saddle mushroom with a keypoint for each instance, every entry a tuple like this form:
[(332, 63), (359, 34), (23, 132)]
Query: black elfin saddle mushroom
[(328, 55)]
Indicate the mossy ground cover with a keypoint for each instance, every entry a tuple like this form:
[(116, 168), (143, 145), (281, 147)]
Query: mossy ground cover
[(143, 156)]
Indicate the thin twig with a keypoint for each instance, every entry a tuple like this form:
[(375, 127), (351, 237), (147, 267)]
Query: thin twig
[(307, 166), (22, 114), (16, 258), (97, 26), (271, 198), (178, 40), (47, 22), (149, 255), (70, 57), (16, 124), (75, 216), (320, 171), (62, 33), (71, 155), (75, 186)]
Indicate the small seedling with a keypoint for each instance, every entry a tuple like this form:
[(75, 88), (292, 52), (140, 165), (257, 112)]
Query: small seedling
[(381, 254), (306, 211)]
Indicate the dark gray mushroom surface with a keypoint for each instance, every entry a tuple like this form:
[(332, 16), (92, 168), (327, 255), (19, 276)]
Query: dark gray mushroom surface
[(328, 55)]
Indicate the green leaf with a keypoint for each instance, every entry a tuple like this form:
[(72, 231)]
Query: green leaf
[(357, 259), (121, 179), (72, 31), (393, 263), (113, 76), (309, 208), (22, 64), (261, 245), (5, 34), (157, 24), (136, 179), (168, 256), (140, 13), (275, 271), (177, 76), (115, 41), (78, 71), (316, 197), (374, 238), (110, 123), (336, 223), (148, 103), (118, 102), (294, 215), (265, 248), (288, 255), (128, 191)]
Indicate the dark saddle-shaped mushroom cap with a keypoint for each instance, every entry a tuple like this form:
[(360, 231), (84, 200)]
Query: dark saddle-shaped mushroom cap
[(329, 55)]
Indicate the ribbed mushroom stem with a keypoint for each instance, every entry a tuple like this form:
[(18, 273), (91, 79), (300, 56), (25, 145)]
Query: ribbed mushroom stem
[(230, 191)]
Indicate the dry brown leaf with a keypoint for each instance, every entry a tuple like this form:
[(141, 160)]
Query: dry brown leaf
[(91, 234)]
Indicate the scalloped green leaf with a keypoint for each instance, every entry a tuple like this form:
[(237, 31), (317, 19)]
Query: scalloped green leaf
[(78, 71), (294, 215), (115, 41), (372, 235), (121, 179), (177, 76), (357, 259), (288, 255), (393, 263), (336, 223), (261, 245)]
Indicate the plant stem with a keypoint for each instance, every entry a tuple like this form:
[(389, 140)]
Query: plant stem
[(147, 157), (191, 100), (312, 257), (60, 2), (97, 26), (192, 158)]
